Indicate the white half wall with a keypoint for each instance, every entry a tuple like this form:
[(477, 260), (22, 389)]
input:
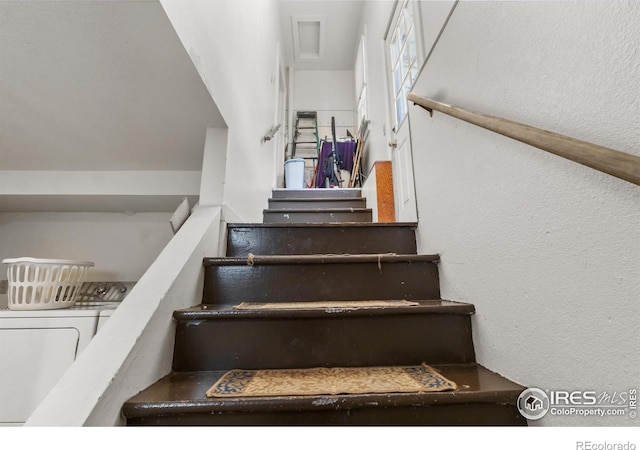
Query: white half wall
[(547, 250), (135, 346)]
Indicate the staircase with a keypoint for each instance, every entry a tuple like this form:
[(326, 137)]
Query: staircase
[(321, 245)]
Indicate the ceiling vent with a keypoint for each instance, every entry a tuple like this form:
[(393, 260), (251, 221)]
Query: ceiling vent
[(308, 37)]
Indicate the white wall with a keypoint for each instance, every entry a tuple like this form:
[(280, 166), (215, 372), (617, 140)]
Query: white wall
[(121, 246), (234, 47), (330, 93), (547, 250), (375, 18)]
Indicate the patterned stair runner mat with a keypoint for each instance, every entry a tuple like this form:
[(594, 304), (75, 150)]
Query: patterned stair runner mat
[(330, 381)]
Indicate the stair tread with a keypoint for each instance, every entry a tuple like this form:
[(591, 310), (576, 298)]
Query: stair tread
[(318, 259), (181, 392), (318, 200), (314, 210), (317, 189), (223, 311), (323, 225), (317, 192)]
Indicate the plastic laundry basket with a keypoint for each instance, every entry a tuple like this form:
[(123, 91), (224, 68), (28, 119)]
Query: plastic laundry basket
[(294, 173), (44, 283)]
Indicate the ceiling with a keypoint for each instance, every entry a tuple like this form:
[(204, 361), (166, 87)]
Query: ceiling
[(98, 85), (340, 21)]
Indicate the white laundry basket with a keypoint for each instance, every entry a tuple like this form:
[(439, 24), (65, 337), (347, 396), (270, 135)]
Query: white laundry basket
[(44, 283)]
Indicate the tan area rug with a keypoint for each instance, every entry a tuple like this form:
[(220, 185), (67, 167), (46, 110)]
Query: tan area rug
[(330, 381), (356, 304)]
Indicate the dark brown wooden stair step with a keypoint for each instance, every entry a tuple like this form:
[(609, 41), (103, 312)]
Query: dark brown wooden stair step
[(316, 193), (320, 277), (335, 215), (317, 203), (218, 337), (482, 398), (304, 239)]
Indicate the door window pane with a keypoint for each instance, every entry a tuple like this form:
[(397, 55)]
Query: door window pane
[(404, 58), (400, 112), (397, 79)]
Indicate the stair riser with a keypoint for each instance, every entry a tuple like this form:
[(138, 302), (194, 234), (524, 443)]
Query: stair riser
[(320, 240), (323, 342), (417, 280), (277, 204), (438, 415), (293, 216), (316, 193)]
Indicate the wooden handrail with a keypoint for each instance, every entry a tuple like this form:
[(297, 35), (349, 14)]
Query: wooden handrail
[(613, 162), (271, 133)]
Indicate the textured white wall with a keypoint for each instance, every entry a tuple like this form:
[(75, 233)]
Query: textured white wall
[(233, 45), (331, 94), (323, 90), (375, 18), (547, 250)]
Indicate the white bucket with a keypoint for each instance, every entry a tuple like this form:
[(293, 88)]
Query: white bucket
[(294, 173)]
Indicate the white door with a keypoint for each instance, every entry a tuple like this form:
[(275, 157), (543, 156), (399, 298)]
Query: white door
[(403, 63)]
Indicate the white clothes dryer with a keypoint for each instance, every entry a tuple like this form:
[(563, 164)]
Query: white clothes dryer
[(37, 347)]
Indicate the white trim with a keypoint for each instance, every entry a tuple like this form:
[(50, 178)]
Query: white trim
[(298, 55)]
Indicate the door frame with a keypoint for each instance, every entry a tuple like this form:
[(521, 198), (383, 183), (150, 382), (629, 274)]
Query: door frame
[(400, 145)]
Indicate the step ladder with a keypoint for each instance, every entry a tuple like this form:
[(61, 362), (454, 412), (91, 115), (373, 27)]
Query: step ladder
[(306, 143)]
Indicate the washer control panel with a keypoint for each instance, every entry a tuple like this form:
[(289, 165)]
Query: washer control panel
[(104, 291)]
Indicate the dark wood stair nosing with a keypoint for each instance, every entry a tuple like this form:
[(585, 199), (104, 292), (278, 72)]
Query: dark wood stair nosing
[(317, 199), (222, 312), (317, 210), (324, 225), (317, 259), (317, 193)]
